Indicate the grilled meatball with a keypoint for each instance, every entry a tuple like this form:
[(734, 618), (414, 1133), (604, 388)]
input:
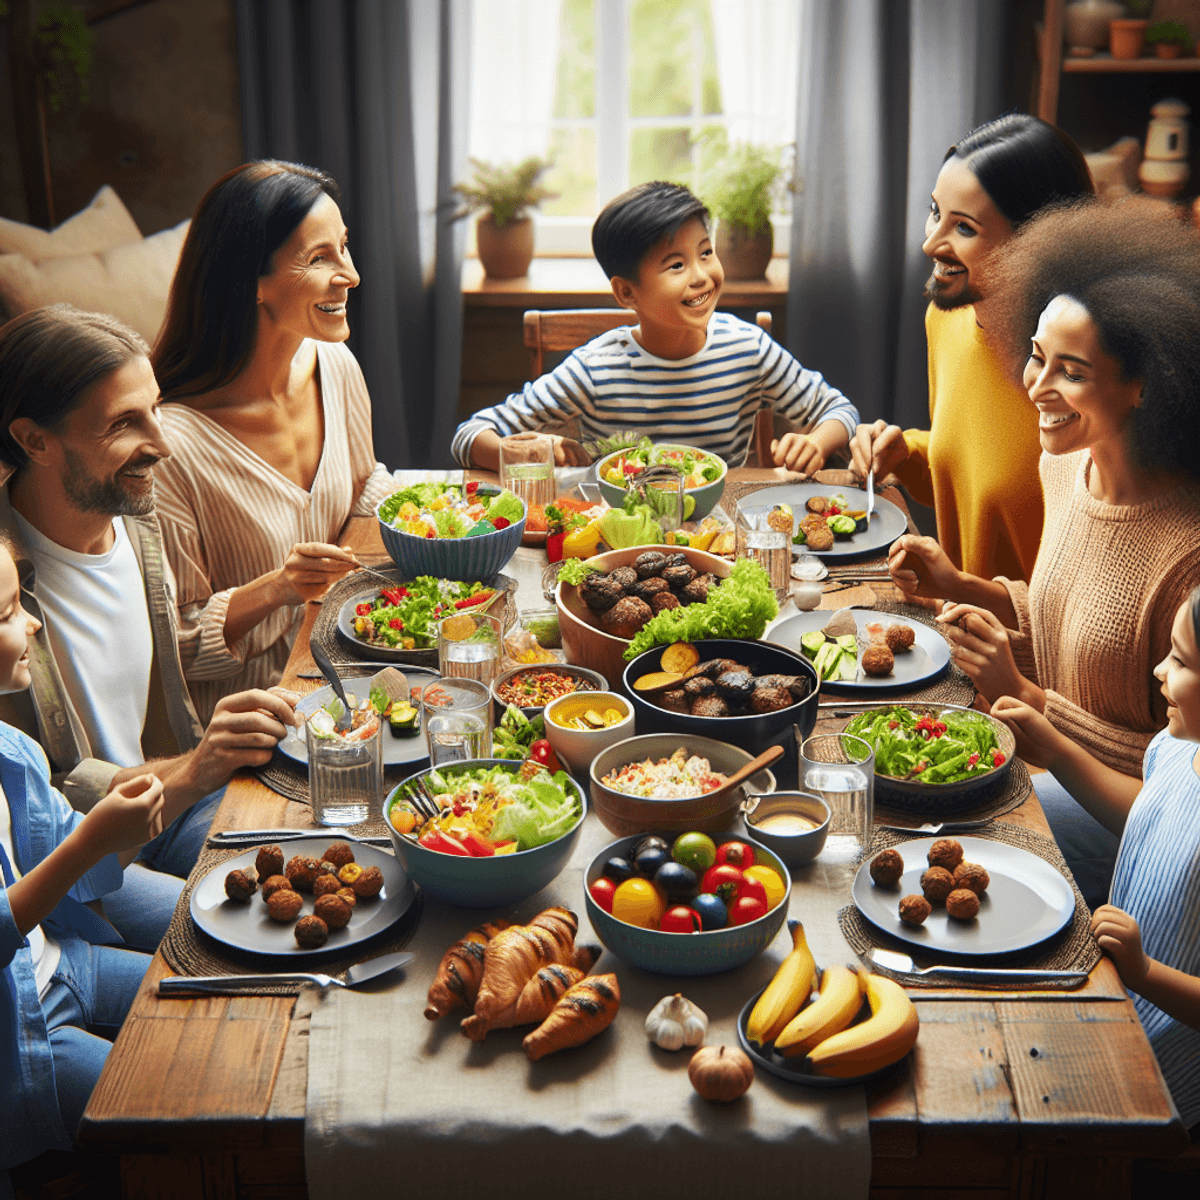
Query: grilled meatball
[(326, 885), (676, 700), (937, 883), (338, 853), (877, 660), (626, 617), (972, 876), (284, 905), (899, 638), (623, 575), (945, 852), (347, 894), (679, 576), (273, 884), (819, 538), (709, 706), (962, 904), (301, 871), (241, 885), (800, 686), (886, 868), (650, 563), (369, 884), (735, 686), (663, 601), (269, 862), (770, 699), (817, 504), (311, 932), (914, 910), (600, 592), (699, 685), (333, 910), (677, 560), (645, 588)]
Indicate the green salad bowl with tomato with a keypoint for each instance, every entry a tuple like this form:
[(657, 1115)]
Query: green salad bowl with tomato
[(705, 496)]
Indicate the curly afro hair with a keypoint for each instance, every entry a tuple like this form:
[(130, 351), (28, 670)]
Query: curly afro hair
[(1135, 267)]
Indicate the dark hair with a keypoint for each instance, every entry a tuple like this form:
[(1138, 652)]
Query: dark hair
[(637, 220), (48, 358), (211, 326), (1135, 267), (1193, 603), (1023, 164)]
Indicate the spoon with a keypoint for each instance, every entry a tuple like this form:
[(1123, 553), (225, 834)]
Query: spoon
[(327, 669), (356, 975)]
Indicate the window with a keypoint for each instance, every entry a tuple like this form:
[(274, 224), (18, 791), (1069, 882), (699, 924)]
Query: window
[(618, 92)]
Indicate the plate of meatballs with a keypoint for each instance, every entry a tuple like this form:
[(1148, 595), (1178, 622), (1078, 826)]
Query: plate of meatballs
[(967, 897), (307, 896)]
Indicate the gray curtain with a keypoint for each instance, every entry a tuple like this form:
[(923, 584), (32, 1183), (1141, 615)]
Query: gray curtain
[(886, 86), (374, 92)]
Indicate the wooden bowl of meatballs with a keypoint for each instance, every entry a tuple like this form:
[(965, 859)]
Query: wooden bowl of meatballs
[(598, 618)]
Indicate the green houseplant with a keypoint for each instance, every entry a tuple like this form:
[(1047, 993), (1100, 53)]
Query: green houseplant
[(504, 195), (740, 189), (1170, 39)]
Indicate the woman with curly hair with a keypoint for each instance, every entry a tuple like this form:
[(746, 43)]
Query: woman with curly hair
[(1102, 306)]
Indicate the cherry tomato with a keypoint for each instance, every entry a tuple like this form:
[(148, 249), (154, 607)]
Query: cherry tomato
[(681, 919), (754, 888), (637, 902), (602, 892), (723, 880), (745, 909), (771, 882), (736, 854)]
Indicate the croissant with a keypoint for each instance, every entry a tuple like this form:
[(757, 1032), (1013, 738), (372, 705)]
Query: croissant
[(457, 981), (512, 959), (588, 1007)]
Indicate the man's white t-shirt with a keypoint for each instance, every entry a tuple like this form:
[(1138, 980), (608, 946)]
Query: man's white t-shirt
[(43, 949), (99, 629)]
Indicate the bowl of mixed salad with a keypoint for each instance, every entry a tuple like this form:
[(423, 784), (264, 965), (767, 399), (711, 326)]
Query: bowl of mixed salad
[(451, 532), (504, 831), (935, 759), (703, 472)]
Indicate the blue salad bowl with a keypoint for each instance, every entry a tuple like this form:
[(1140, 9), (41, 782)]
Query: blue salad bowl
[(706, 497)]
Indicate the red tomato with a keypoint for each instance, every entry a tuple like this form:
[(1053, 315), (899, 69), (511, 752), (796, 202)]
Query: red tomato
[(602, 892), (747, 908), (477, 847), (681, 919), (754, 889), (443, 843), (723, 880), (736, 854)]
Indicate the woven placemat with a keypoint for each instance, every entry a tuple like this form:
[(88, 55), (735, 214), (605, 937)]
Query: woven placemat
[(1015, 792), (190, 952), (1073, 950)]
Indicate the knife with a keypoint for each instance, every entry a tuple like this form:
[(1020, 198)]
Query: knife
[(870, 494), (228, 837), (903, 965), (358, 974)]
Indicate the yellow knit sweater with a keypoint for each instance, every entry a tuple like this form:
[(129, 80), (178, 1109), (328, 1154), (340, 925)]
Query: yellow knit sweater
[(1099, 609), (977, 463)]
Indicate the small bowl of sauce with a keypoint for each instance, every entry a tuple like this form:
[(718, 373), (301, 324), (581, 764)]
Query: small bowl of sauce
[(793, 824)]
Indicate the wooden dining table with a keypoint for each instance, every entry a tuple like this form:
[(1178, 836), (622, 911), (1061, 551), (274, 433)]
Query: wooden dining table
[(1024, 1098)]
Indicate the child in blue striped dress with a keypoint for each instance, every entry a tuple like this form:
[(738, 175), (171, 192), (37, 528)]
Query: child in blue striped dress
[(685, 372), (1151, 927)]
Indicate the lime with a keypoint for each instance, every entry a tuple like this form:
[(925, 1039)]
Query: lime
[(695, 850), (689, 506)]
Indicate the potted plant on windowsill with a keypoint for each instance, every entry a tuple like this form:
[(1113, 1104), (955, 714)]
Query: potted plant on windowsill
[(740, 190), (504, 233), (1170, 39)]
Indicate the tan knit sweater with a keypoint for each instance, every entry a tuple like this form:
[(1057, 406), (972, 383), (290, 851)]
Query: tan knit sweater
[(1098, 611)]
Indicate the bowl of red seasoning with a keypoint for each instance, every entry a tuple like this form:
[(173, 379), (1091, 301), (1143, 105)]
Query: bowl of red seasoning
[(532, 687)]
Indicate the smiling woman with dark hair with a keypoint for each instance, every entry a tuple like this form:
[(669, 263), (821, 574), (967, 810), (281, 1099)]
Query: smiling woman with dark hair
[(269, 418)]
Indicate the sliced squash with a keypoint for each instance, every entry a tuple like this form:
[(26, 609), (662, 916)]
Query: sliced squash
[(656, 680), (679, 658)]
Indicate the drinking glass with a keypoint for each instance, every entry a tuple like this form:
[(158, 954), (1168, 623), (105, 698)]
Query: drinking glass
[(534, 638), (345, 778), (664, 498), (457, 715), (840, 768), (527, 467), (469, 646), (771, 548)]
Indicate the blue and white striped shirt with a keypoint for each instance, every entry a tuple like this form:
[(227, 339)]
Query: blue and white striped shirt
[(708, 400), (1157, 882)]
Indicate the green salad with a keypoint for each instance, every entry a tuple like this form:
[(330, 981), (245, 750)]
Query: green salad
[(929, 747)]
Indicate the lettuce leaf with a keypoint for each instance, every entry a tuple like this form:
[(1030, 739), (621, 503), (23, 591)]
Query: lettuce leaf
[(506, 505)]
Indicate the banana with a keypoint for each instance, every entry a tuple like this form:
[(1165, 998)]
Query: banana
[(885, 1037), (786, 994), (838, 1004)]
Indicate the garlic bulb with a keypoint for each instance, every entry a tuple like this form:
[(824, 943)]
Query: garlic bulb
[(674, 1022)]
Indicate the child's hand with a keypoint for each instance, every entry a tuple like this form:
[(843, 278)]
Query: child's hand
[(1117, 934), (569, 453), (129, 816), (798, 452), (1038, 742)]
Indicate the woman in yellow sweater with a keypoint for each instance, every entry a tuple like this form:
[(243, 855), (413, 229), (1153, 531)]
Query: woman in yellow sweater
[(977, 462), (1103, 306)]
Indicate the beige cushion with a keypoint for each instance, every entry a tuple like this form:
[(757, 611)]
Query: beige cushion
[(131, 282), (104, 225)]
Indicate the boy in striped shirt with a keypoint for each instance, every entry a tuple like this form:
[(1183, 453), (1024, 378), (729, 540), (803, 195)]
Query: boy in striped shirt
[(685, 372)]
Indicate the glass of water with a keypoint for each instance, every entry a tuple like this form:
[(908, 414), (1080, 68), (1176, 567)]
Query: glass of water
[(345, 776), (765, 535), (469, 646), (527, 467), (840, 768), (457, 714)]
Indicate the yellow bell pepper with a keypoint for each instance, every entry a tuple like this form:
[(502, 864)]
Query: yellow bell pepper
[(582, 542), (708, 529)]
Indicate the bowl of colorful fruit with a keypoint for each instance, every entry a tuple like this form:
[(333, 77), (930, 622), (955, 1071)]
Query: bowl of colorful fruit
[(451, 532), (703, 473), (502, 831), (686, 904)]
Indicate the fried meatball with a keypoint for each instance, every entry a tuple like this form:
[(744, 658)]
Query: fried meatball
[(645, 588), (333, 910), (972, 876), (817, 504), (699, 685), (369, 884), (899, 638), (601, 592), (914, 910), (680, 576), (937, 883), (650, 563), (268, 862), (676, 700), (285, 905), (697, 591), (338, 853), (623, 576), (770, 699), (626, 618), (800, 686), (347, 894), (273, 884), (709, 706), (241, 885), (678, 559), (301, 872), (877, 660), (819, 538), (326, 885), (311, 932), (662, 601), (887, 867), (735, 686), (945, 852), (962, 904)]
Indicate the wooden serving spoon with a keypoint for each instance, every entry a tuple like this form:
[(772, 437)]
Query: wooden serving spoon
[(764, 760)]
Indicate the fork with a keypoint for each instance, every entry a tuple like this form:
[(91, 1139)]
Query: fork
[(420, 797)]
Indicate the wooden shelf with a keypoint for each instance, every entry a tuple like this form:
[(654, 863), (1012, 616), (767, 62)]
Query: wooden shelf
[(1103, 64)]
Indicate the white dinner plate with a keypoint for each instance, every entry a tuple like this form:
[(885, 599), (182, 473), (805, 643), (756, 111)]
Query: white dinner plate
[(1027, 902), (928, 658), (247, 926)]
